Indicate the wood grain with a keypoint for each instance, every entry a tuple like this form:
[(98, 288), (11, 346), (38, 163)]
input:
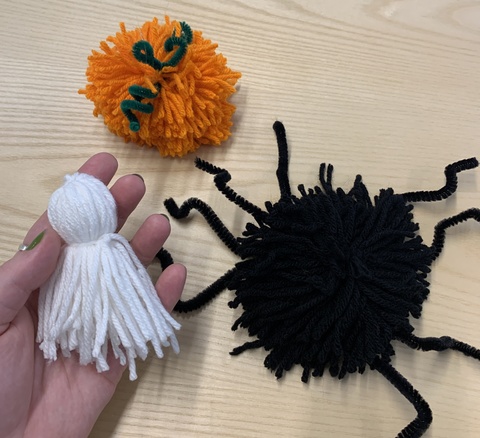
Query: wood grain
[(385, 88)]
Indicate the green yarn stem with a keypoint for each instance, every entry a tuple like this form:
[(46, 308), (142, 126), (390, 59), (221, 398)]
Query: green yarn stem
[(143, 52)]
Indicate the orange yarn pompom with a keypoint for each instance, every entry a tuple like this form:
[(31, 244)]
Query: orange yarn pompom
[(163, 86)]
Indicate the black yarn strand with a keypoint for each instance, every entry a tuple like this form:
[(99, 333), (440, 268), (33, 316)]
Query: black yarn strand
[(210, 216), (326, 183), (450, 186), (439, 232), (421, 423), (282, 170)]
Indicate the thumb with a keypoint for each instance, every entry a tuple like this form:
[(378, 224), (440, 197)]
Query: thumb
[(27, 271)]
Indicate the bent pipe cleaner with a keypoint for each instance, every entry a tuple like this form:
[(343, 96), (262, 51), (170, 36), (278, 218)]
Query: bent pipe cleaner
[(329, 279)]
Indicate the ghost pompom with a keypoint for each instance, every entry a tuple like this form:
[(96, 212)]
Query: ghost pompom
[(100, 293)]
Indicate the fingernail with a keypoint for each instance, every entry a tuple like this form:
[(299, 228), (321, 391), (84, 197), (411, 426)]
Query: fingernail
[(140, 176), (34, 243), (165, 216)]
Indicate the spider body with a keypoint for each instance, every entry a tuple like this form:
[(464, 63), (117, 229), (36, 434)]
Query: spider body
[(329, 279)]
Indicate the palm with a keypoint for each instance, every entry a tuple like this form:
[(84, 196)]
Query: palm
[(63, 394), (64, 398)]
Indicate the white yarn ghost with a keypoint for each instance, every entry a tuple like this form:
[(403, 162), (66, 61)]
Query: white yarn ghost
[(100, 291)]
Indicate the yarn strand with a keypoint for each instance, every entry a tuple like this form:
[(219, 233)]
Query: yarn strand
[(326, 182)]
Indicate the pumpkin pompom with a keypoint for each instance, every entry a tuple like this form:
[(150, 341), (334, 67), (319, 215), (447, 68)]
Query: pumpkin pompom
[(163, 86)]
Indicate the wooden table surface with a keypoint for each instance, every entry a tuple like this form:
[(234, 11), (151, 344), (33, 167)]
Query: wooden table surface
[(385, 88)]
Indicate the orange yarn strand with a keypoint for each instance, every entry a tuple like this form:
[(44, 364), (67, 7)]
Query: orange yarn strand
[(176, 100)]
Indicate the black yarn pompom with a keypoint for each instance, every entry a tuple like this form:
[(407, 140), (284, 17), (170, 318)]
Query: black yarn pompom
[(330, 278)]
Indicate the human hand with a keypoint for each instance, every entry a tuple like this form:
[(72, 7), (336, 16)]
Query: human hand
[(64, 398)]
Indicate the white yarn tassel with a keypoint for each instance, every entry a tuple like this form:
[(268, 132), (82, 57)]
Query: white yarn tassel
[(100, 291)]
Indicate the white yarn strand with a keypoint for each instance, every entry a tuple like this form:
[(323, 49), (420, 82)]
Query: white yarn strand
[(100, 293)]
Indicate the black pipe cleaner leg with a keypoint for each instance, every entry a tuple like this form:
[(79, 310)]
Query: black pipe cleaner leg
[(450, 186), (222, 177), (440, 228), (206, 295), (440, 344), (424, 414), (202, 298), (165, 258), (282, 170), (210, 216)]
